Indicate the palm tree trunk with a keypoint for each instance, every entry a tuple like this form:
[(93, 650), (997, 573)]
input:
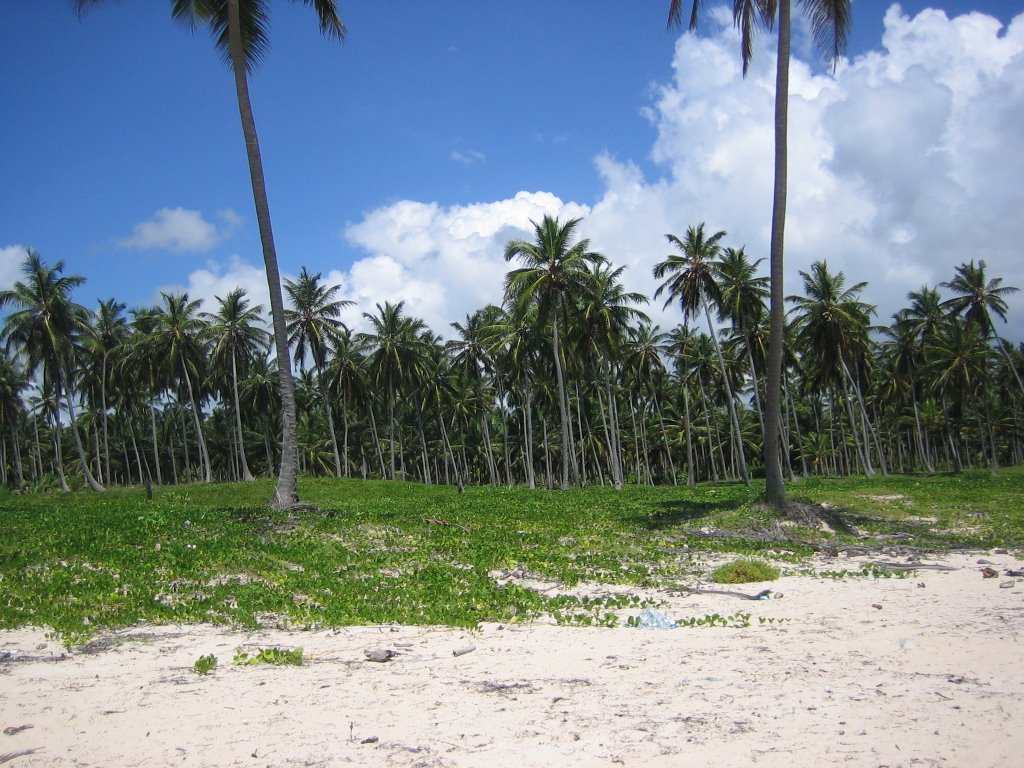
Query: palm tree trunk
[(246, 474), (563, 416), (376, 439), (286, 493), (734, 422), (106, 435), (344, 431), (391, 426), (18, 473), (329, 412), (204, 454), (796, 427), (79, 447), (712, 433), (156, 448), (917, 433), (775, 488), (664, 437), (691, 471), (531, 478)]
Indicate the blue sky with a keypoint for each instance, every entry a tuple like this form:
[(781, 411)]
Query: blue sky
[(399, 163)]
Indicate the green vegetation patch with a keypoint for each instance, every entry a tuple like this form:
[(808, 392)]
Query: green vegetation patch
[(390, 552), (744, 571)]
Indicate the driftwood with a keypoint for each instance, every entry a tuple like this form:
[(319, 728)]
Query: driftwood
[(463, 650), (764, 594), (6, 757), (890, 566)]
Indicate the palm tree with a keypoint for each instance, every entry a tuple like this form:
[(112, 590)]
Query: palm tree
[(553, 272), (12, 382), (46, 326), (177, 344), (313, 325), (606, 310), (108, 331), (743, 304), (691, 277), (833, 322), (395, 355), (514, 342), (346, 375), (238, 338), (240, 28), (643, 360), (830, 23), (977, 299)]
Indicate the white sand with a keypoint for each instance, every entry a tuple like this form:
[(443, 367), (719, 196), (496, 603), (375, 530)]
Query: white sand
[(935, 676)]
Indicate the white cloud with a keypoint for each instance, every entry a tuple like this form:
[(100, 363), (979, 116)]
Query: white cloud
[(217, 279), (11, 259), (180, 230), (903, 165), (443, 262)]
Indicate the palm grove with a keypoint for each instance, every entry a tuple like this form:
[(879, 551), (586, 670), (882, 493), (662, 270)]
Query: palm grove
[(566, 382)]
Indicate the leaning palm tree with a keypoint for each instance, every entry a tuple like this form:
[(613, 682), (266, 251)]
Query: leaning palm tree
[(690, 276), (238, 337), (553, 272), (240, 28), (977, 299), (46, 326), (830, 22), (313, 325)]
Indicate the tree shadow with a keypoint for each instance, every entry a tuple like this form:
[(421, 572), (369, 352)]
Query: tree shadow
[(667, 514)]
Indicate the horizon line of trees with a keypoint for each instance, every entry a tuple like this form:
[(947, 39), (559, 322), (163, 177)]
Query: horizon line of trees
[(567, 382)]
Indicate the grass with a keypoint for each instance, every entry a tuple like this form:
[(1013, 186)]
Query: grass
[(380, 552), (744, 571)]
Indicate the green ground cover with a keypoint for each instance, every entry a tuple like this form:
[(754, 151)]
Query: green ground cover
[(378, 552)]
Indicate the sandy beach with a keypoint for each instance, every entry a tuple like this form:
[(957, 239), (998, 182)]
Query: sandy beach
[(926, 670)]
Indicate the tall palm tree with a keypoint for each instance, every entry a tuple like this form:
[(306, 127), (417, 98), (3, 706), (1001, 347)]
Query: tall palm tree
[(46, 326), (12, 408), (643, 360), (240, 28), (313, 325), (743, 305), (553, 272), (514, 342), (177, 343), (834, 323), (236, 331), (606, 312), (977, 299), (691, 277), (346, 375), (830, 22), (108, 332), (395, 354)]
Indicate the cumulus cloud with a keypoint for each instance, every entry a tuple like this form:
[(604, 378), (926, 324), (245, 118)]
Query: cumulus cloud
[(442, 261), (902, 165), (218, 279), (11, 258), (180, 230)]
